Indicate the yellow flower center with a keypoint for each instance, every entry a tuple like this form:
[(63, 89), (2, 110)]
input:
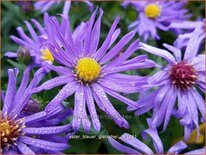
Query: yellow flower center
[(46, 55), (10, 130), (152, 11), (5, 127), (87, 69)]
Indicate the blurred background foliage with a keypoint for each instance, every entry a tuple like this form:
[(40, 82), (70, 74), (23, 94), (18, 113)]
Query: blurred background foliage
[(13, 15)]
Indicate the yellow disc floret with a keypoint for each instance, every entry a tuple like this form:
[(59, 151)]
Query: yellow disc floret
[(10, 131), (87, 69), (46, 55), (152, 11)]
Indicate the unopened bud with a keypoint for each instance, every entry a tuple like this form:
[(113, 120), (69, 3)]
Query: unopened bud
[(23, 54), (31, 107), (26, 6)]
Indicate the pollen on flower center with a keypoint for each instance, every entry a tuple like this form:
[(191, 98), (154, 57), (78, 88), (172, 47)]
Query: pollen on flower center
[(87, 69), (152, 11), (183, 75), (10, 131), (46, 55)]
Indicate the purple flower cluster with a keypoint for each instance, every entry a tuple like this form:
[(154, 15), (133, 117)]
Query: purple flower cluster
[(91, 71)]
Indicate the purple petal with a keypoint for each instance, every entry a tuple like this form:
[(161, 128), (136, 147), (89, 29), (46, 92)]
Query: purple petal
[(155, 139), (120, 97), (89, 33), (159, 52), (146, 64), (165, 110), (117, 48), (11, 151), (47, 130), (129, 139), (38, 26), (131, 49), (170, 107), (24, 149), (11, 90), (23, 85), (95, 35), (65, 92), (175, 50), (198, 151), (18, 106), (80, 114), (20, 41), (184, 24), (85, 120), (194, 42), (57, 81), (144, 104), (11, 55), (35, 117), (43, 144), (158, 77), (114, 36), (92, 109), (177, 148), (69, 53), (32, 32), (25, 37), (140, 58), (66, 9), (192, 109), (43, 5), (121, 147), (181, 105), (90, 5), (118, 87), (108, 107), (199, 101), (103, 49), (59, 69), (62, 59)]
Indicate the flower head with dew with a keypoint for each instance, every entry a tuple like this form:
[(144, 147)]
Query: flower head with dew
[(29, 132), (45, 5), (182, 40), (34, 49), (178, 85), (90, 73), (135, 146), (154, 15)]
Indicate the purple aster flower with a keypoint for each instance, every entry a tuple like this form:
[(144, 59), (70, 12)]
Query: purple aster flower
[(45, 5), (180, 80), (135, 146), (154, 15), (33, 132), (91, 73), (35, 47)]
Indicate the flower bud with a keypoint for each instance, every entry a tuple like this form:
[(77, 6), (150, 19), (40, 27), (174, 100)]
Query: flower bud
[(23, 55)]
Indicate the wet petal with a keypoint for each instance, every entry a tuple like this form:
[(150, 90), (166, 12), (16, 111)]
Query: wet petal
[(43, 144)]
